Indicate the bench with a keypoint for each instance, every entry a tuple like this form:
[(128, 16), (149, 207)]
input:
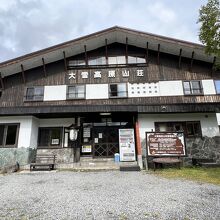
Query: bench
[(43, 161), (166, 160)]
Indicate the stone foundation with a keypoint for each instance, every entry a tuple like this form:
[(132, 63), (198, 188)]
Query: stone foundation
[(10, 156), (203, 148), (64, 155)]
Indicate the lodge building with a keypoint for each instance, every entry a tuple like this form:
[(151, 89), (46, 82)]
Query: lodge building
[(102, 84)]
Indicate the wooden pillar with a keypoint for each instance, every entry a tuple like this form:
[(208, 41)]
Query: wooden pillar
[(158, 54), (65, 62), (106, 51), (22, 72), (2, 83), (147, 54), (138, 145), (126, 51), (213, 65), (86, 57), (180, 58), (191, 62), (44, 67)]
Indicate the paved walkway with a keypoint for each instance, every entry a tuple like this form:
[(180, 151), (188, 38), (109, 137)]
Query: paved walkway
[(105, 195)]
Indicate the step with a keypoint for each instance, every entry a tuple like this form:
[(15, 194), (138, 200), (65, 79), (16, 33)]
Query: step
[(129, 168)]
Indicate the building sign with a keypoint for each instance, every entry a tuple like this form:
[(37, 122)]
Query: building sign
[(86, 148), (127, 145), (98, 74), (165, 144)]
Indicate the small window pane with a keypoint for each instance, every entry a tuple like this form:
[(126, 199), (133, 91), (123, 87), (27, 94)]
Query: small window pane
[(141, 60), (113, 90), (11, 135), (43, 139), (121, 60), (112, 60), (55, 137), (132, 59), (80, 91), (122, 90), (30, 94), (217, 86), (2, 128)]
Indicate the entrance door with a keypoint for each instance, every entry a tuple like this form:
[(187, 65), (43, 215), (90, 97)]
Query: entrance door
[(105, 141)]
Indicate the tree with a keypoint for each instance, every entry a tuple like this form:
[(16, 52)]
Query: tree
[(209, 17)]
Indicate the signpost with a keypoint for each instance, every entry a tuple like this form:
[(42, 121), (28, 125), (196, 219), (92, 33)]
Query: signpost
[(127, 145), (165, 144)]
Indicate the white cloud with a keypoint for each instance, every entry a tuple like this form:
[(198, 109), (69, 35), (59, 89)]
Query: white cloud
[(27, 25)]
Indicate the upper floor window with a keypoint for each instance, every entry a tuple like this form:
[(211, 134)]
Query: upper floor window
[(8, 135), (118, 90), (192, 87), (217, 86), (134, 59), (35, 93), (76, 92), (116, 60), (97, 61), (77, 63)]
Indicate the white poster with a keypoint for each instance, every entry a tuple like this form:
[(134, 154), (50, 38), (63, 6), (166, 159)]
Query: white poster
[(127, 145)]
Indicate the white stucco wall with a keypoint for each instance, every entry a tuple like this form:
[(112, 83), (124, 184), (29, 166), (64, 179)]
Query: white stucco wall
[(208, 87), (34, 133), (53, 93), (209, 124), (24, 136), (97, 91), (56, 122), (171, 88)]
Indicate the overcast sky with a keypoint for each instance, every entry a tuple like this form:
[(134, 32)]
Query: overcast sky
[(30, 25)]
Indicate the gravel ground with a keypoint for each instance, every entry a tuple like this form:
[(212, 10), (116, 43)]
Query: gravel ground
[(105, 195)]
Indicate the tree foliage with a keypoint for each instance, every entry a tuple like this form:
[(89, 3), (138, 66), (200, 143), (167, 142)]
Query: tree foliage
[(209, 17)]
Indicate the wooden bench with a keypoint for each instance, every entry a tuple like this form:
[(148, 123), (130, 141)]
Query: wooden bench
[(166, 160), (43, 160)]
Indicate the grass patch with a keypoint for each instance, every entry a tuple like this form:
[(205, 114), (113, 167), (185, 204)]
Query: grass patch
[(206, 175)]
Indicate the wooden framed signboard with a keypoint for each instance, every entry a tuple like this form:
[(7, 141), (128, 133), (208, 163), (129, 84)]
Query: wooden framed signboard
[(165, 144)]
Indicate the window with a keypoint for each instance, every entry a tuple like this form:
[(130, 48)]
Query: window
[(134, 59), (217, 86), (50, 137), (97, 61), (8, 135), (77, 63), (192, 87), (76, 92), (190, 128), (117, 60), (118, 90), (35, 94)]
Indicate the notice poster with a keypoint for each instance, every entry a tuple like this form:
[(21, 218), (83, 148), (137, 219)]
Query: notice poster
[(127, 145), (165, 144), (86, 149)]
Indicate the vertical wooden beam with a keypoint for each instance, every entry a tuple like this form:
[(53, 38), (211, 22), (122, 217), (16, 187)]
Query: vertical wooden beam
[(158, 54), (86, 57), (180, 58), (1, 81), (213, 65), (44, 67), (147, 54), (22, 72), (65, 62), (106, 51), (126, 51), (191, 62)]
